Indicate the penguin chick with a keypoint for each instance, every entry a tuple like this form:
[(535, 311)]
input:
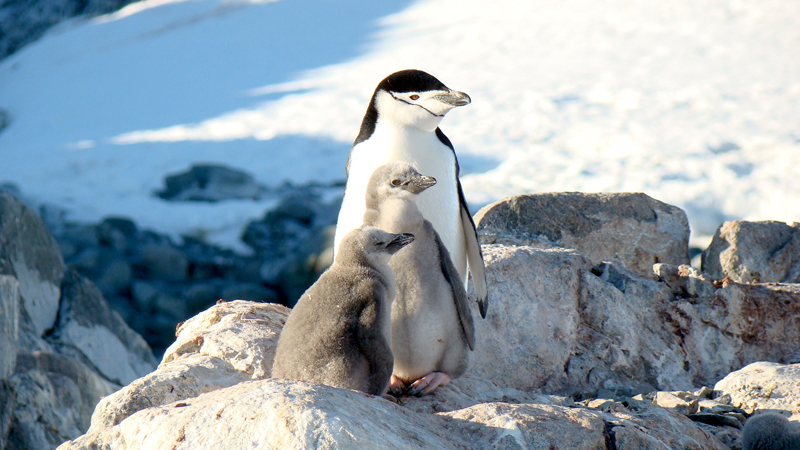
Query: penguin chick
[(339, 331), (432, 328), (401, 124), (770, 431)]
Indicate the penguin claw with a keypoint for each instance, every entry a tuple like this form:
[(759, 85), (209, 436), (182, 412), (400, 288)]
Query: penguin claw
[(428, 383), (391, 398), (396, 386)]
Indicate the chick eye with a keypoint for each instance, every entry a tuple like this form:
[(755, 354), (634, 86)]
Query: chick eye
[(413, 96), (395, 182)]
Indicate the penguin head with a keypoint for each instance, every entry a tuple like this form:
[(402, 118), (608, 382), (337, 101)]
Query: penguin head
[(373, 244), (396, 180), (415, 98)]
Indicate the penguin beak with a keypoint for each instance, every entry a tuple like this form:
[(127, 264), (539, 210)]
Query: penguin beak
[(454, 98), (421, 183), (399, 241)]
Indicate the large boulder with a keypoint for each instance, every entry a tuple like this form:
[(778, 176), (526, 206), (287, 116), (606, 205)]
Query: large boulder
[(764, 386), (53, 400), (747, 252), (560, 324), (91, 332), (9, 325), (30, 254), (225, 345), (285, 414), (629, 229), (212, 389)]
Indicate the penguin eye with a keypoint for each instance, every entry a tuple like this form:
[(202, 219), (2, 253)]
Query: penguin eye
[(395, 182), (414, 97)]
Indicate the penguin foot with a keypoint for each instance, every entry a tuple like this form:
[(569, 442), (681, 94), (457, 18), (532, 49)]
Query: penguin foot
[(396, 386), (428, 383), (391, 398)]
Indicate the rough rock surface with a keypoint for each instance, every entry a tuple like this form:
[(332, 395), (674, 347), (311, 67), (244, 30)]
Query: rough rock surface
[(215, 406), (629, 229), (284, 414), (764, 386), (90, 331), (746, 252), (29, 253), (9, 325), (578, 327), (55, 365), (225, 345)]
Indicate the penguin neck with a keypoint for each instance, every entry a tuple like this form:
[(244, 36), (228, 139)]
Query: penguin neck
[(397, 215)]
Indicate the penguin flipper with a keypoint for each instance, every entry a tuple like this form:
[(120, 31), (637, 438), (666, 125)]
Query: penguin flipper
[(456, 286), (474, 254)]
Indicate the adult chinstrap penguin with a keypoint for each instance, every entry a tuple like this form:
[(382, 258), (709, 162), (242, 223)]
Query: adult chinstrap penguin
[(432, 327), (401, 124), (339, 332)]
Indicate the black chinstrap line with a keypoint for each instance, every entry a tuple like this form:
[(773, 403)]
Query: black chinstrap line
[(414, 104)]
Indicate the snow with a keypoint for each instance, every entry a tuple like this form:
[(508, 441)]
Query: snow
[(694, 103)]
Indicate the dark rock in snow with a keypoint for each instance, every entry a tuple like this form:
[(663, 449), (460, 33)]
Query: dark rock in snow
[(210, 183)]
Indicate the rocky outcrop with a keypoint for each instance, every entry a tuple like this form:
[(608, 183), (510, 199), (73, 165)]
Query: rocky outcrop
[(9, 324), (230, 343), (284, 414), (752, 252), (560, 324), (764, 386), (629, 229), (213, 387), (23, 22), (61, 347), (29, 254)]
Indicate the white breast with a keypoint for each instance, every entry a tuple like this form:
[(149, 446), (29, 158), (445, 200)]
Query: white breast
[(439, 204)]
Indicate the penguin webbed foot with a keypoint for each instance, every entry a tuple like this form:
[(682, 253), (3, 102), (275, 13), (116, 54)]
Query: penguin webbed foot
[(392, 398), (428, 383), (396, 386)]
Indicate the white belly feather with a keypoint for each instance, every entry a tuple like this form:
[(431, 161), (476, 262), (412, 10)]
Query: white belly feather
[(429, 156)]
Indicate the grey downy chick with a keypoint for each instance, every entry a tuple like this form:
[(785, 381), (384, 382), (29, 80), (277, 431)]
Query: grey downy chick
[(338, 333), (432, 326)]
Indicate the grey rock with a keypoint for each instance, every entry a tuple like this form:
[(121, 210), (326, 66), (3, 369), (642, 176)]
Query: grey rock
[(91, 332), (119, 233), (578, 327), (9, 325), (109, 269), (286, 414), (684, 280), (30, 254), (211, 183), (6, 411), (54, 397), (747, 252), (763, 386), (144, 293), (671, 401), (292, 240), (629, 229), (23, 22), (225, 345), (165, 262), (200, 296)]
